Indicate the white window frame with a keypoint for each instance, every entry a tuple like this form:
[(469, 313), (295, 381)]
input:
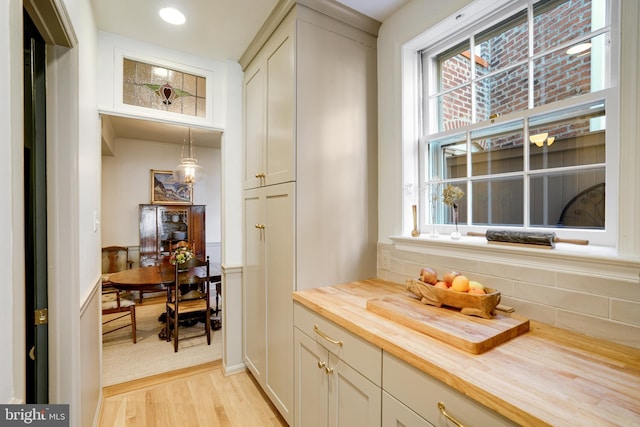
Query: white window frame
[(413, 103)]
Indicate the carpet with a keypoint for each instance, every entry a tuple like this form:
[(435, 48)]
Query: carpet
[(123, 361)]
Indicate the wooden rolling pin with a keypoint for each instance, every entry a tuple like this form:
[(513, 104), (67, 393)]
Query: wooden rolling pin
[(548, 240)]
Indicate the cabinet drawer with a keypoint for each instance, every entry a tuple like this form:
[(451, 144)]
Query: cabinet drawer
[(395, 413), (360, 354), (421, 393)]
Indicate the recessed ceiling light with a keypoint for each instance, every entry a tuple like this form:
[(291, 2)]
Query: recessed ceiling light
[(579, 48), (172, 16)]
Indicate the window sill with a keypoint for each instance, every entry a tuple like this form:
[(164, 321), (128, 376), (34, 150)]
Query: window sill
[(565, 257)]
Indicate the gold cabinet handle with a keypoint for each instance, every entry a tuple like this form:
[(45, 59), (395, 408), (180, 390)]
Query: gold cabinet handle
[(260, 226), (325, 336), (447, 416), (328, 370), (321, 364)]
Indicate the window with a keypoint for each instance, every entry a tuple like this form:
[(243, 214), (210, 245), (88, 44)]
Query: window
[(514, 112)]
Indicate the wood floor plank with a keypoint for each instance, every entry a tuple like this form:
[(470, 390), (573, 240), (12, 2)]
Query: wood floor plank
[(201, 396)]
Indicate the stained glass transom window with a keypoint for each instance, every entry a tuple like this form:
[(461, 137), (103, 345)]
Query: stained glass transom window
[(160, 88)]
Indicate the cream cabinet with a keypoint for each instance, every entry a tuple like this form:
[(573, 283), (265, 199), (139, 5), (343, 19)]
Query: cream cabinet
[(269, 118), (329, 391), (310, 134), (431, 399), (394, 413), (268, 283)]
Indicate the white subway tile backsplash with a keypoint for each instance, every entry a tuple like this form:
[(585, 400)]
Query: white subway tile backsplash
[(560, 298), (504, 285), (519, 272), (602, 286), (601, 328), (604, 304), (530, 310), (625, 311)]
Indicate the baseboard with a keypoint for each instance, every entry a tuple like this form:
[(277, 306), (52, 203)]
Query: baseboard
[(230, 370)]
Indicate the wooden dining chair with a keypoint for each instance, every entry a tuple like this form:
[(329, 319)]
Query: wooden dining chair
[(114, 301), (188, 301)]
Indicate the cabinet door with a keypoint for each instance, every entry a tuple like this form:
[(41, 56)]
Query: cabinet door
[(197, 231), (354, 401), (312, 382), (254, 123), (279, 238), (395, 414), (148, 235), (279, 151), (254, 287), (269, 112)]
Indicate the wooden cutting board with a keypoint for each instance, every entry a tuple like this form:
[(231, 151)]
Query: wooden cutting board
[(473, 334)]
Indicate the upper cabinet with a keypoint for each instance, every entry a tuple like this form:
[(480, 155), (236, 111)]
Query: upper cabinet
[(269, 117)]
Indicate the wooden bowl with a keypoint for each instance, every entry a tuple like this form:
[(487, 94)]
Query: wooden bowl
[(469, 304)]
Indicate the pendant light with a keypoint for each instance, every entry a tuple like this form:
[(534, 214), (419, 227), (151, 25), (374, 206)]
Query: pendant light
[(188, 171)]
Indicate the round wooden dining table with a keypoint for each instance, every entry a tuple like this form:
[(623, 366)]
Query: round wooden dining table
[(156, 277)]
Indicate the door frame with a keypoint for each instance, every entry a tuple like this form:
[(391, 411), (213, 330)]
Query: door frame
[(35, 222)]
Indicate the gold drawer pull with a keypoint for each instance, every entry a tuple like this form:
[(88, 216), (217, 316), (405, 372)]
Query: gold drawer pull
[(447, 416), (328, 370), (320, 364), (325, 336)]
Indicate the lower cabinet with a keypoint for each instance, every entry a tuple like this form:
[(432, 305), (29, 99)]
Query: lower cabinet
[(431, 399), (328, 390), (394, 413), (344, 380)]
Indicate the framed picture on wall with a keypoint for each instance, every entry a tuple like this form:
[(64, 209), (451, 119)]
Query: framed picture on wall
[(165, 190)]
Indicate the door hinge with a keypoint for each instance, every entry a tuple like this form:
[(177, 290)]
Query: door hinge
[(41, 316)]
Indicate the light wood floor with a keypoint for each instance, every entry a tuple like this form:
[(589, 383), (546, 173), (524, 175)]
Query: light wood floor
[(194, 397)]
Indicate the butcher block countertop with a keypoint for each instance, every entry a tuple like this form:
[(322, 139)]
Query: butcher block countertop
[(547, 376)]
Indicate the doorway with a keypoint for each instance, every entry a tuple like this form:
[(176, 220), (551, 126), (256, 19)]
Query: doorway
[(131, 148), (35, 212)]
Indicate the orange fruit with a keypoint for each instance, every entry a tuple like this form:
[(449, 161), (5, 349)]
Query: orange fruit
[(477, 291), (460, 284), (442, 285)]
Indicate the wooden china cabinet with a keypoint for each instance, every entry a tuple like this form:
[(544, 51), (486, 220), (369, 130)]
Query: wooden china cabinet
[(162, 225)]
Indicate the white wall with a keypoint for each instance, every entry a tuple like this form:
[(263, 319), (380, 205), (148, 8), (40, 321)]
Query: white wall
[(113, 48), (591, 290), (12, 387), (126, 184)]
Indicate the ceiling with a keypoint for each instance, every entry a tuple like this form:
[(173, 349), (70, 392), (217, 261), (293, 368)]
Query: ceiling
[(147, 130), (217, 29)]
